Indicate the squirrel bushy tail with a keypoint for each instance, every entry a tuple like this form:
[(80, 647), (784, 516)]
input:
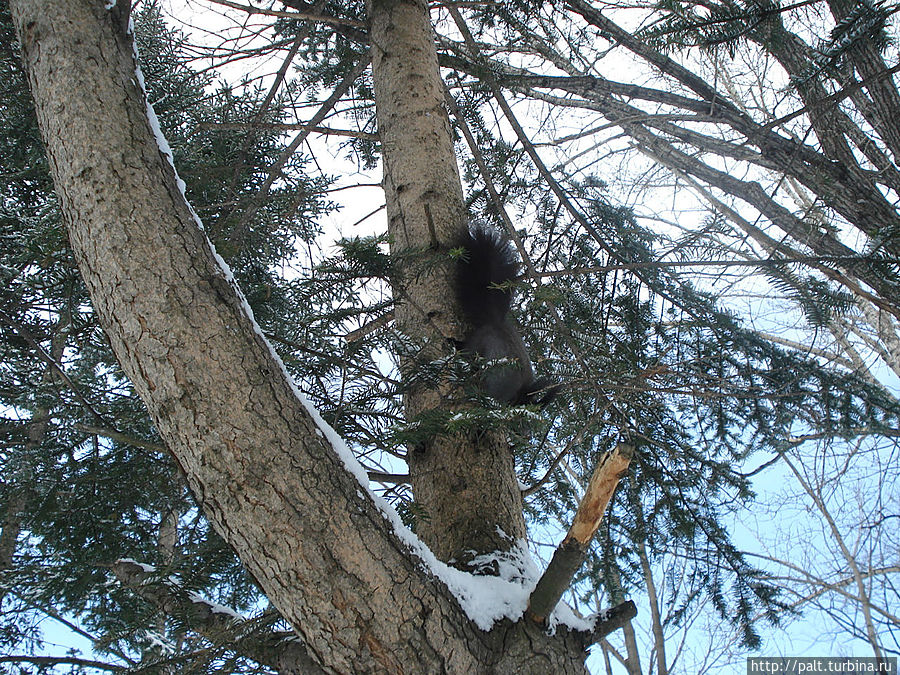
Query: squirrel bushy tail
[(485, 272)]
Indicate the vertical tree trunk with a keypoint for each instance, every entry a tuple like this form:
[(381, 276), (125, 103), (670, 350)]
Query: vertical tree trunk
[(632, 653), (466, 486), (659, 638)]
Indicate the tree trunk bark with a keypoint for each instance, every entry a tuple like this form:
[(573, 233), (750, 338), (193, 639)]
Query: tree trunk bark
[(467, 487), (659, 638), (256, 458)]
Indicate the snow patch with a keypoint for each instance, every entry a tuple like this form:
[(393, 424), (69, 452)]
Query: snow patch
[(215, 607), (132, 561)]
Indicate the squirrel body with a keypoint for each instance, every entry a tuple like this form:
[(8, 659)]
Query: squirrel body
[(486, 271)]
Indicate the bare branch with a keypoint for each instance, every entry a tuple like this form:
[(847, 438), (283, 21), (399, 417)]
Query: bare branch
[(571, 552), (306, 16), (325, 131)]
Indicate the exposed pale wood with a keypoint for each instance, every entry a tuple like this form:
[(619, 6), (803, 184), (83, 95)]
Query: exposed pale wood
[(570, 554)]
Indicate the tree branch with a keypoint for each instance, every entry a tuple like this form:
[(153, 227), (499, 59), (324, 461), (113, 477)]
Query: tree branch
[(114, 435), (571, 552), (274, 172), (25, 334), (45, 661), (273, 126), (282, 652), (611, 620), (298, 15)]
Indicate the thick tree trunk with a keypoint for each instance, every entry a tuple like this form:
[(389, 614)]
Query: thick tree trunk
[(254, 456), (466, 487)]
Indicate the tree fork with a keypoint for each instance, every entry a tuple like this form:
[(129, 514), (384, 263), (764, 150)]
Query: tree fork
[(253, 454), (256, 459)]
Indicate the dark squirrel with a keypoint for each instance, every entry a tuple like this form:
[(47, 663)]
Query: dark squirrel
[(487, 268)]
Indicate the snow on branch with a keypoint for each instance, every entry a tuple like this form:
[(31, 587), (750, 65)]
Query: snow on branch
[(281, 651)]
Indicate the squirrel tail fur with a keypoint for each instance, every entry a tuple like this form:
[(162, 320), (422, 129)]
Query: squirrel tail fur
[(486, 269), (485, 273)]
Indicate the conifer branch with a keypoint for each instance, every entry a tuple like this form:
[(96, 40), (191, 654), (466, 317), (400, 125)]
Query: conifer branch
[(24, 333), (282, 652), (128, 439), (43, 662), (275, 171)]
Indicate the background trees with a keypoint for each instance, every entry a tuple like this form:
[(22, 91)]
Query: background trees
[(706, 201)]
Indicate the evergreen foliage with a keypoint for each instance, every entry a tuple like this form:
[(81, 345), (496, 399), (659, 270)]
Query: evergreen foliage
[(652, 345), (709, 25)]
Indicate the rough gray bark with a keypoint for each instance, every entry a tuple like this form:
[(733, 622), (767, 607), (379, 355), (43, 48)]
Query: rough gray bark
[(659, 638), (251, 453), (256, 461), (466, 486), (10, 529)]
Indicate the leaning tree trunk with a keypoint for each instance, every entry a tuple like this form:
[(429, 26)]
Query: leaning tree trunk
[(361, 599), (253, 455), (466, 486)]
